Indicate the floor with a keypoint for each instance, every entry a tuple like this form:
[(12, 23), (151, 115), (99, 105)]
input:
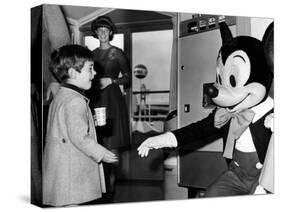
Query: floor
[(127, 191), (139, 191), (136, 191)]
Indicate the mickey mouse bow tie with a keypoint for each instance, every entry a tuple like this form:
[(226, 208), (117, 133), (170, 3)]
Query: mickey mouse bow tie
[(239, 121)]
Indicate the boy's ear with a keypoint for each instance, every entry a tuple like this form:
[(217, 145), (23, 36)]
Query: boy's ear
[(72, 73)]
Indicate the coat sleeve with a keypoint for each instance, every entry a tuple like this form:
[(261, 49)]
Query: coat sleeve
[(77, 129), (198, 134)]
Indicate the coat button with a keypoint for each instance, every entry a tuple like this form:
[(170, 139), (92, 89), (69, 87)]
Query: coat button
[(63, 140), (258, 165)]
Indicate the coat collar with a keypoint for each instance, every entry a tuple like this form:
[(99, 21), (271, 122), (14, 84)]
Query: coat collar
[(76, 89)]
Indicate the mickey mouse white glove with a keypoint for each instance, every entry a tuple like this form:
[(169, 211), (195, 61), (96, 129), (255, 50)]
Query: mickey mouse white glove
[(268, 122), (165, 140), (259, 190)]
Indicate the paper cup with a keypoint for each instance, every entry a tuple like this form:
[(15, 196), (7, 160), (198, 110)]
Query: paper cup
[(100, 113)]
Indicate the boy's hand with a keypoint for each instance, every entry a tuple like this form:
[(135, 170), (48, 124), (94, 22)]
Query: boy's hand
[(109, 157)]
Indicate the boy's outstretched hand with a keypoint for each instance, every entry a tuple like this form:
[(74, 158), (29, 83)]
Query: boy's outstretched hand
[(109, 157), (156, 142)]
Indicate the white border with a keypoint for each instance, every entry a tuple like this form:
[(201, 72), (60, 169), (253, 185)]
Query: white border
[(15, 105)]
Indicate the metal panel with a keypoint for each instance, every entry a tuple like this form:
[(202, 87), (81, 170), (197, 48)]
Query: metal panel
[(197, 65)]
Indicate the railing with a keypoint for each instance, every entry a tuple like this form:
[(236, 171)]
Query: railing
[(150, 112), (150, 92)]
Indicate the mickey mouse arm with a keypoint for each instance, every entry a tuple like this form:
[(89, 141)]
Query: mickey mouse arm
[(198, 134)]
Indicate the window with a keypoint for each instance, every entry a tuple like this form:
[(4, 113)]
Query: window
[(153, 49)]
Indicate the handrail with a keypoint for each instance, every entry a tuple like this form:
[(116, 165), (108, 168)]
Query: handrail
[(150, 92)]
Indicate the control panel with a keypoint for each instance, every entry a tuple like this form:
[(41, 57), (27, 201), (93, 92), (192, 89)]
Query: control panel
[(202, 23)]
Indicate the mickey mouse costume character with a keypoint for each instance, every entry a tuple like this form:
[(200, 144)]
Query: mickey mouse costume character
[(243, 80)]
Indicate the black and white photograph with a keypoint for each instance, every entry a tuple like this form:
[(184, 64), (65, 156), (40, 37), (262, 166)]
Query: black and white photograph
[(137, 106), (149, 105)]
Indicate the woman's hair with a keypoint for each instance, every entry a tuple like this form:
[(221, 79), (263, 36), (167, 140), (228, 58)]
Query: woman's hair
[(66, 57), (103, 21)]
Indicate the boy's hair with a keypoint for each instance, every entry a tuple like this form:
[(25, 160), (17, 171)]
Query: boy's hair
[(66, 57)]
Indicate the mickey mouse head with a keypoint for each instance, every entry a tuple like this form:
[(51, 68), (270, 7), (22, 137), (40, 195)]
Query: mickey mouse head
[(243, 78)]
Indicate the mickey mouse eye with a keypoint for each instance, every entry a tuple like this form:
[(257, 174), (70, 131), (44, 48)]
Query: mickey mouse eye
[(232, 81)]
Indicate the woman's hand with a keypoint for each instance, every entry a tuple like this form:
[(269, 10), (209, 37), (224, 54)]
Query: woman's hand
[(109, 157), (104, 82)]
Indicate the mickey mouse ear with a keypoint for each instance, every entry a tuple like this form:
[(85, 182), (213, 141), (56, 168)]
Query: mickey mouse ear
[(267, 41), (226, 34)]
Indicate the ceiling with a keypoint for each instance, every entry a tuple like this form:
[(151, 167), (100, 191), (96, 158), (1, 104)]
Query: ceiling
[(84, 15), (77, 12)]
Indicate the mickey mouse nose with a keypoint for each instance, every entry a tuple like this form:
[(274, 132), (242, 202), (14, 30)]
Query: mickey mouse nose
[(211, 91)]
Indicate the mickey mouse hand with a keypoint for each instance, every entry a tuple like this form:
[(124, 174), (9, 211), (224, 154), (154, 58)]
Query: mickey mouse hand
[(268, 122), (165, 140), (259, 190)]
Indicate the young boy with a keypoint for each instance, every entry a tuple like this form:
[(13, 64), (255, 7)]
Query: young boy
[(72, 168)]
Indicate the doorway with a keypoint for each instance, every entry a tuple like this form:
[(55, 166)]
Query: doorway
[(151, 50)]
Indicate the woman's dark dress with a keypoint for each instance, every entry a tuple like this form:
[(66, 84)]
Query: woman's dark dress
[(109, 63)]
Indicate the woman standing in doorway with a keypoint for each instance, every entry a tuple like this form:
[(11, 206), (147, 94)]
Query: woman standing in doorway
[(110, 61)]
